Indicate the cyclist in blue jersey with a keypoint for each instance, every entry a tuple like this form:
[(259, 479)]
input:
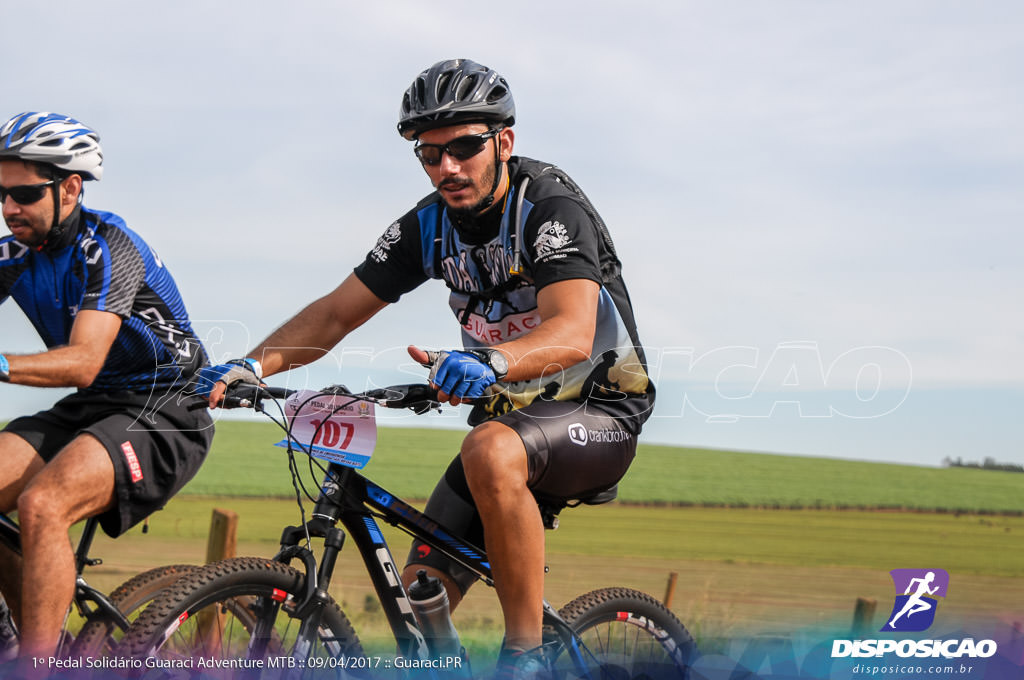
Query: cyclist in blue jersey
[(551, 360), (114, 327)]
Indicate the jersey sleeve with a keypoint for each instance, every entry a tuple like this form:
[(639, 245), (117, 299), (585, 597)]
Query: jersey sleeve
[(115, 271), (395, 265), (12, 264), (562, 242)]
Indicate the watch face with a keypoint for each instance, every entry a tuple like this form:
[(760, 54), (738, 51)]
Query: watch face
[(498, 362)]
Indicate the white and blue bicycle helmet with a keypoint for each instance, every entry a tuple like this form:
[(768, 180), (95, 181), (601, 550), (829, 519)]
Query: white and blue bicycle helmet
[(53, 139)]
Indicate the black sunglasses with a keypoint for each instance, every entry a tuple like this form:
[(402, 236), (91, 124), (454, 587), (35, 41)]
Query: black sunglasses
[(460, 148), (25, 194)]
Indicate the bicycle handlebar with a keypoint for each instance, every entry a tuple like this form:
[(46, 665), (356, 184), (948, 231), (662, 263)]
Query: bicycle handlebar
[(418, 397)]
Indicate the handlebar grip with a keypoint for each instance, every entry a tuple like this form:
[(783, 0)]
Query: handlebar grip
[(276, 392), (245, 395), (418, 396)]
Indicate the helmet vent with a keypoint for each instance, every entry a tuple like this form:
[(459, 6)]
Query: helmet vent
[(442, 86), (465, 88), (497, 94), (420, 88)]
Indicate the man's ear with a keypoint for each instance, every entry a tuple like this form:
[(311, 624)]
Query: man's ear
[(70, 190), (507, 139)]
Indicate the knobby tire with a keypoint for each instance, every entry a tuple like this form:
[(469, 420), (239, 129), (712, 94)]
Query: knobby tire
[(212, 613), (625, 635), (99, 637)]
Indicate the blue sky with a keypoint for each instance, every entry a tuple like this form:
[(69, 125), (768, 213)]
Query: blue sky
[(818, 204)]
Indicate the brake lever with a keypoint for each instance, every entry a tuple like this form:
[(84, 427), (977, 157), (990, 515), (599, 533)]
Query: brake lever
[(241, 396)]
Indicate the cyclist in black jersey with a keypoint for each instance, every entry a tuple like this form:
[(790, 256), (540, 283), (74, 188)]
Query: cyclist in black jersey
[(114, 327), (551, 360)]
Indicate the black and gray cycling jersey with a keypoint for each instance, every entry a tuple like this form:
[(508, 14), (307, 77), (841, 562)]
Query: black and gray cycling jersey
[(559, 237), (100, 264)]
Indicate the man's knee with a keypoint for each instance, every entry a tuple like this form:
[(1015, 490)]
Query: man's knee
[(35, 509), (21, 464), (494, 458), (77, 484)]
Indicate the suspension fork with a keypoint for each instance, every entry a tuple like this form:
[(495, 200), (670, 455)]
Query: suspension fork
[(309, 604), (311, 610)]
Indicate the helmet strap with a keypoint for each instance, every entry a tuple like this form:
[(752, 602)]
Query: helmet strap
[(488, 200), (57, 228)]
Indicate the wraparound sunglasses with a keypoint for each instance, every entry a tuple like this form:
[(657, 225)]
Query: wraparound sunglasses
[(460, 148), (25, 194)]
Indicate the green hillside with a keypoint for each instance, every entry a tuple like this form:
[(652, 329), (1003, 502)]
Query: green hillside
[(408, 462)]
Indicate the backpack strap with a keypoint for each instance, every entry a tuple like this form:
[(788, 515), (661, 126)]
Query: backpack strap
[(517, 215), (529, 169)]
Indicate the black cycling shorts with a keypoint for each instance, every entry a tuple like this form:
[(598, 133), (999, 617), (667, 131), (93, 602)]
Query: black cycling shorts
[(156, 444), (573, 449)]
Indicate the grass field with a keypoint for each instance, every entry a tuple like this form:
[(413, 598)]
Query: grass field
[(740, 571), (708, 517), (409, 461), (748, 561)]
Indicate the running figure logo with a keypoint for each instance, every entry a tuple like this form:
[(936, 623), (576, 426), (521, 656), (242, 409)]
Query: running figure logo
[(914, 610)]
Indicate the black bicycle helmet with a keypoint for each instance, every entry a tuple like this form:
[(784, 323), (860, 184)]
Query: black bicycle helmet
[(453, 92)]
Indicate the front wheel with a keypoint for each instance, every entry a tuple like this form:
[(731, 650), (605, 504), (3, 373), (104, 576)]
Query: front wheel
[(229, 615), (622, 634)]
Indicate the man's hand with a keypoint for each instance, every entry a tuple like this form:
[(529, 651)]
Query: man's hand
[(213, 381), (5, 369), (458, 376)]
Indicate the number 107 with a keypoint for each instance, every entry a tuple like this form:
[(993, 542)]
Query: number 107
[(329, 433)]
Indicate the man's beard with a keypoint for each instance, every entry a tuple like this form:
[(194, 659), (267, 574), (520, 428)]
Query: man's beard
[(33, 239), (483, 204)]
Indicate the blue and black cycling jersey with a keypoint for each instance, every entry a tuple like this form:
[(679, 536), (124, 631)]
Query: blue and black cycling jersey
[(98, 263)]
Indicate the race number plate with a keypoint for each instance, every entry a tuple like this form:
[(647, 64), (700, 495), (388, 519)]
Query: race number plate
[(332, 427)]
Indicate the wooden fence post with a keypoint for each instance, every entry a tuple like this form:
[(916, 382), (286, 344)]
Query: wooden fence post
[(223, 539), (863, 613), (220, 545), (670, 589)]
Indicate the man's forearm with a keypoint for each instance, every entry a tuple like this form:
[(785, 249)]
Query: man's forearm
[(303, 339), (59, 367)]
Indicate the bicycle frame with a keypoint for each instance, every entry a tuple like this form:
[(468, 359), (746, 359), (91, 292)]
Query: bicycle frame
[(351, 499), (348, 497)]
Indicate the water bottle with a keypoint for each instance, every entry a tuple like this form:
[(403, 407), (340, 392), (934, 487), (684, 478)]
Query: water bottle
[(430, 603)]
